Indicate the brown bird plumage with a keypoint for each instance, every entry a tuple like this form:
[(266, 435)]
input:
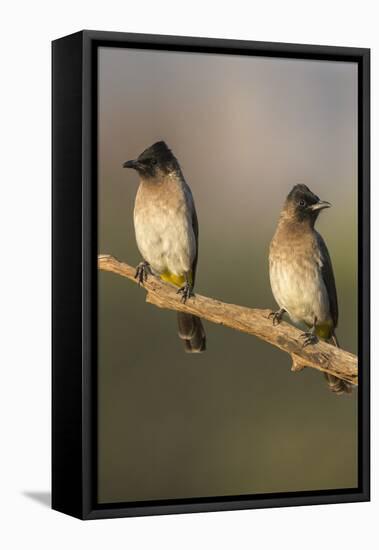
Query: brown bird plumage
[(301, 273), (167, 232)]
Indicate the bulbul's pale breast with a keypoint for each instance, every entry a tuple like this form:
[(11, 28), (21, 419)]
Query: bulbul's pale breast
[(163, 226), (296, 278)]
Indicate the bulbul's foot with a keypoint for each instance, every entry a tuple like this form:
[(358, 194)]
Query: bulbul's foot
[(309, 338), (277, 316), (186, 292), (142, 272)]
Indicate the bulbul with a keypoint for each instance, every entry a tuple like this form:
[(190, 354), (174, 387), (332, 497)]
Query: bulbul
[(301, 273), (167, 232)]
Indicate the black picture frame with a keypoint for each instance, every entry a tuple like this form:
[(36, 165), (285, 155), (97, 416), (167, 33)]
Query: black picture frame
[(74, 333)]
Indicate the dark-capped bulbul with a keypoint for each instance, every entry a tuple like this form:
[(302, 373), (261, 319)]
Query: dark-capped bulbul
[(167, 231), (301, 273)]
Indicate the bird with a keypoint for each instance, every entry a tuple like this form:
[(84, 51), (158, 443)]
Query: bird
[(301, 273), (167, 232)]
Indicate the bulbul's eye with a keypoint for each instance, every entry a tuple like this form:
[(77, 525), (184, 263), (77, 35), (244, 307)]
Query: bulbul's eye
[(153, 162), (302, 202)]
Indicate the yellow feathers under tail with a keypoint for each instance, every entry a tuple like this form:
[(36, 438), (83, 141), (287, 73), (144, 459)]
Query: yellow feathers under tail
[(177, 280)]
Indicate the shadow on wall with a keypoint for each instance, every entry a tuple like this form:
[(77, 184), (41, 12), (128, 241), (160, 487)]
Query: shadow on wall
[(42, 497)]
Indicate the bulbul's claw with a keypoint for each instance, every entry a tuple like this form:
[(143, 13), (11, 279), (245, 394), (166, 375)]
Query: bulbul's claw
[(309, 339), (142, 272), (276, 316), (186, 292)]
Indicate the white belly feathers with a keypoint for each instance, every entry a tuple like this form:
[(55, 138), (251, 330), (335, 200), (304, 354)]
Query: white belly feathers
[(298, 286), (163, 226)]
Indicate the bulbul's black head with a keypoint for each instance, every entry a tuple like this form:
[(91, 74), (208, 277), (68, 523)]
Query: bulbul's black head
[(301, 204), (155, 161)]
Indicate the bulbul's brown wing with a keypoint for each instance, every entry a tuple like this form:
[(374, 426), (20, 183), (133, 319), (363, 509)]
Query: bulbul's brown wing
[(195, 227), (335, 384), (328, 277), (190, 327)]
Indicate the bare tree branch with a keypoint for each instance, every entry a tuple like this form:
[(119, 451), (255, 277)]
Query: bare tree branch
[(321, 356)]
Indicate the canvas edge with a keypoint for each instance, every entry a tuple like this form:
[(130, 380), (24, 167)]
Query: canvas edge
[(81, 503)]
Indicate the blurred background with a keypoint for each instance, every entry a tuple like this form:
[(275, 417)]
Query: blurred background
[(234, 420)]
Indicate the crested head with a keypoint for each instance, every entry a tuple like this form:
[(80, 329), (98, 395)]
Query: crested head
[(303, 205), (155, 161), (158, 151), (301, 192)]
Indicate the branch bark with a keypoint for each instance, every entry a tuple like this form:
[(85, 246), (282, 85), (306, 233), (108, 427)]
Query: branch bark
[(321, 356)]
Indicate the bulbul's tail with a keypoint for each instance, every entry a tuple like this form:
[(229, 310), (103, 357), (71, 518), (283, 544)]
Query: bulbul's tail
[(191, 330), (335, 384)]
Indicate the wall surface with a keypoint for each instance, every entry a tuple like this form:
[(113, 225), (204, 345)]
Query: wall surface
[(25, 103)]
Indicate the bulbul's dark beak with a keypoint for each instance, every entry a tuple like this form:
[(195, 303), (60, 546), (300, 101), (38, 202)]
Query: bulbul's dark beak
[(131, 164), (320, 205)]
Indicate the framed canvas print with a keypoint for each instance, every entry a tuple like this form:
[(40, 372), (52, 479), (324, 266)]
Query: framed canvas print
[(210, 274)]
